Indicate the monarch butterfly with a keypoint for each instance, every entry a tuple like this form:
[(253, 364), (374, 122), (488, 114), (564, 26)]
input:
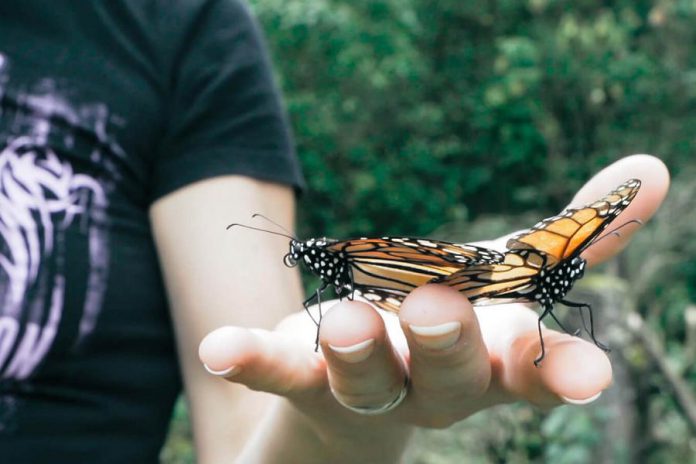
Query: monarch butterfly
[(382, 270), (540, 265)]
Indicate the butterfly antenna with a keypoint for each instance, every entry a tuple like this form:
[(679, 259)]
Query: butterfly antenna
[(615, 232), (261, 230), (255, 215)]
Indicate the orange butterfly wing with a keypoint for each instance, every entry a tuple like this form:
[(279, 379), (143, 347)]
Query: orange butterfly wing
[(569, 233), (385, 270), (508, 280), (544, 246)]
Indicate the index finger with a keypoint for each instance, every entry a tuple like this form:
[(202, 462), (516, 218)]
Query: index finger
[(654, 178)]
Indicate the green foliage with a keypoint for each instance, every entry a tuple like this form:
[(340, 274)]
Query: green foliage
[(179, 446), (515, 434), (410, 114)]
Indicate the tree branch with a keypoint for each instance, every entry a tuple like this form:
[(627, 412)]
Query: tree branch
[(685, 398)]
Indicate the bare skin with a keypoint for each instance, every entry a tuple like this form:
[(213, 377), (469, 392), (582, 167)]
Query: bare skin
[(459, 359)]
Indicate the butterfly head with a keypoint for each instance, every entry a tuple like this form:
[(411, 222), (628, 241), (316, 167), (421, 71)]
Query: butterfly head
[(577, 268), (297, 251)]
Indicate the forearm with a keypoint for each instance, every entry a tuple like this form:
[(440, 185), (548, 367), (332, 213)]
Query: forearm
[(286, 435)]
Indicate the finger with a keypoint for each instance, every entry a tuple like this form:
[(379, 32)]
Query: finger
[(262, 360), (654, 179), (572, 371), (363, 368), (449, 363)]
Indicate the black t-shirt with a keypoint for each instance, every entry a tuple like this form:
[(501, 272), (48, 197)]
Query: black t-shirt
[(105, 106)]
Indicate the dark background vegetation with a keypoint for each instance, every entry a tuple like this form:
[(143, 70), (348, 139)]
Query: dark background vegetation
[(465, 120)]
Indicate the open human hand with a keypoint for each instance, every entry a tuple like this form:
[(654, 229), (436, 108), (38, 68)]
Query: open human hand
[(457, 359)]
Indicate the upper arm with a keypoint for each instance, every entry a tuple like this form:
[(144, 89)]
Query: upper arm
[(217, 277)]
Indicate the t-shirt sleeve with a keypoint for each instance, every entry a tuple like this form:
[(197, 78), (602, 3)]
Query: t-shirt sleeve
[(225, 115)]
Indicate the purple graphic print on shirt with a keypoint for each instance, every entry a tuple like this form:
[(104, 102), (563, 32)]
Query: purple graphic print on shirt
[(43, 197)]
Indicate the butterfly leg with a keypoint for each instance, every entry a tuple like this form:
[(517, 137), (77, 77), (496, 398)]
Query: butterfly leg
[(352, 283), (317, 322), (316, 340), (584, 322), (574, 333), (582, 306), (315, 296), (547, 311), (306, 304)]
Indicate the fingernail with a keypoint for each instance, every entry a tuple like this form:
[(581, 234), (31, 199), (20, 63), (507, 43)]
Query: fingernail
[(229, 372), (580, 402), (354, 353), (437, 337)]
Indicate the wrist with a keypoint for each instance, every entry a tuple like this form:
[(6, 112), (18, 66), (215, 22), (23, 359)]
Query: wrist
[(289, 434)]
